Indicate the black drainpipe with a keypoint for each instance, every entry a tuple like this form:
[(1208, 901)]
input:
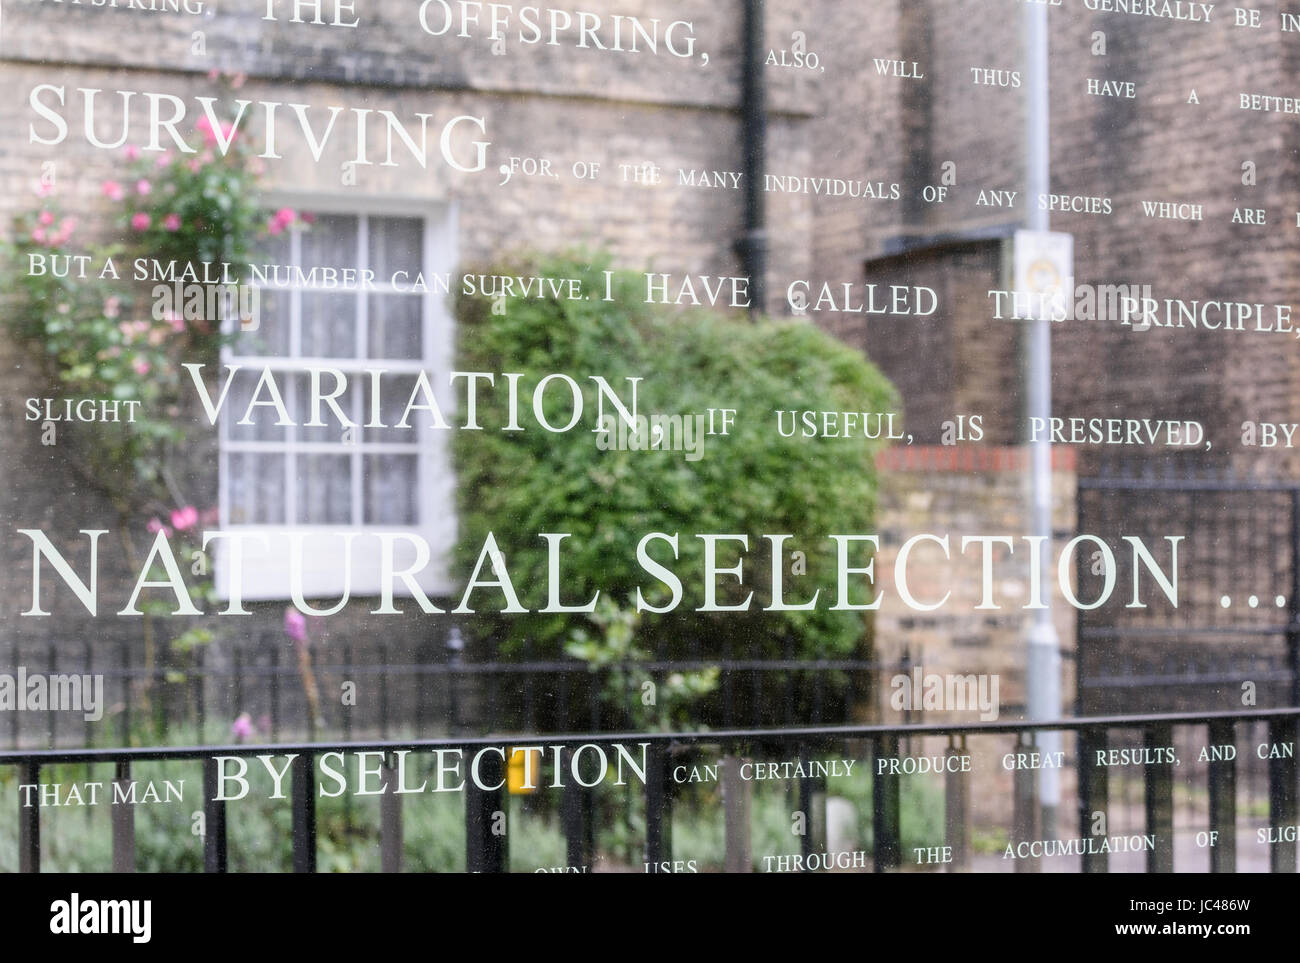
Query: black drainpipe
[(752, 245)]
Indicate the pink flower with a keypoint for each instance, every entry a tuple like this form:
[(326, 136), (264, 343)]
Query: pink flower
[(143, 187), (38, 235), (46, 218), (112, 306), (132, 152), (227, 132), (285, 215), (214, 73), (308, 217), (237, 81), (176, 321), (141, 367), (205, 126), (43, 189), (164, 159), (295, 624), (274, 226), (242, 727), (113, 190), (194, 165), (185, 518), (156, 526), (172, 222), (140, 221)]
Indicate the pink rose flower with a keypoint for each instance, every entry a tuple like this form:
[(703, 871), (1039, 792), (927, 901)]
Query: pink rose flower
[(275, 227), (295, 624), (156, 526), (113, 190), (38, 235), (185, 518), (176, 321), (112, 306), (141, 367), (46, 218), (43, 189), (140, 221), (242, 727), (285, 216), (132, 152), (194, 165), (164, 159), (172, 222), (143, 187)]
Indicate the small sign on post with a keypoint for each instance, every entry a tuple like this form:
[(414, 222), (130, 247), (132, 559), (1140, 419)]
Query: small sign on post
[(1043, 275)]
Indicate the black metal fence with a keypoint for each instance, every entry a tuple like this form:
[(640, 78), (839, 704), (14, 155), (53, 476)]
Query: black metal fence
[(262, 680), (1234, 639), (1162, 843)]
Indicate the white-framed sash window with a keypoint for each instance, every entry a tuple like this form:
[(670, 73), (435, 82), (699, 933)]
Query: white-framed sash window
[(380, 331)]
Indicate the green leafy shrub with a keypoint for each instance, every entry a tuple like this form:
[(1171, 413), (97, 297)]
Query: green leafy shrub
[(517, 484)]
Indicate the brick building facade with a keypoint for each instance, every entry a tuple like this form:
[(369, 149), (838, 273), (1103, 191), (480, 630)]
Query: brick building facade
[(895, 103)]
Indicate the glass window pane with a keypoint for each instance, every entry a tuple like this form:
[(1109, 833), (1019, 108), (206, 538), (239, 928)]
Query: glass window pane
[(329, 325), (264, 415), (268, 335), (391, 489), (304, 411), (395, 326), (324, 485), (394, 392), (256, 489), (330, 242), (272, 249), (396, 244)]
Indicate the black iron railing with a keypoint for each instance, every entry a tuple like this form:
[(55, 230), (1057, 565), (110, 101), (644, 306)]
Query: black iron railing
[(662, 754)]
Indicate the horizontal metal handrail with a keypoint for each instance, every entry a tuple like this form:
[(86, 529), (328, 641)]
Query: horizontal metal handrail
[(705, 737)]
